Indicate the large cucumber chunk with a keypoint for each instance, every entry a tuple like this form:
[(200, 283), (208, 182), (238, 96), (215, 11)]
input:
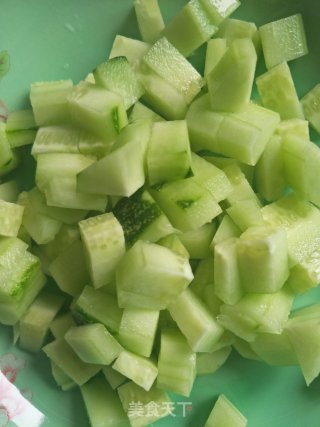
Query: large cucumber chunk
[(147, 263)]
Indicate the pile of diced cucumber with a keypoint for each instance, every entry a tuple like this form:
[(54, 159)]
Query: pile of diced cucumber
[(172, 219)]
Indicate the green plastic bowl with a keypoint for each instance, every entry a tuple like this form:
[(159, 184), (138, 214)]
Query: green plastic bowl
[(58, 39)]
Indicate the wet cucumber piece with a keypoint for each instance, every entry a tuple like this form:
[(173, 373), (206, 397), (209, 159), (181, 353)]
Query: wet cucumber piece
[(311, 106), (61, 324), (230, 82), (226, 229), (11, 215), (173, 242), (275, 349), (277, 91), (245, 213), (132, 49), (118, 76), (306, 274), (283, 40), (197, 242), (224, 413), (219, 10), (6, 154), (141, 218), (208, 363), (142, 112), (150, 21), (216, 48), (113, 377), (231, 29)]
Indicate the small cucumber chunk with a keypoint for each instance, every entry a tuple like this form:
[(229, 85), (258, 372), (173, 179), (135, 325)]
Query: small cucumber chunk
[(310, 104), (150, 21), (224, 413), (208, 363)]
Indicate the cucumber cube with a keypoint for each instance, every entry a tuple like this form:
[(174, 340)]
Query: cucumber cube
[(61, 378), (104, 246), (216, 48), (231, 29), (283, 40), (173, 242), (49, 102), (197, 242), (132, 49), (142, 112), (138, 329), (118, 76), (230, 82), (293, 127), (93, 343), (61, 324), (150, 21), (245, 213), (97, 110), (141, 218), (195, 322), (275, 349), (242, 190), (227, 282), (224, 413), (310, 104), (168, 155), (147, 263), (208, 363), (113, 377), (219, 10), (176, 363), (277, 91), (263, 259), (5, 149), (133, 396), (166, 61), (20, 120), (121, 172), (306, 274), (10, 218), (190, 28), (67, 360), (103, 405), (139, 369)]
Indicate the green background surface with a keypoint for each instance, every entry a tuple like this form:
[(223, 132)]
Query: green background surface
[(57, 39)]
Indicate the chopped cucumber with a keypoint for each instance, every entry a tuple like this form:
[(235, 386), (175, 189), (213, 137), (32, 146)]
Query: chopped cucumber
[(216, 48), (132, 49), (224, 413), (231, 29), (310, 105), (150, 21), (208, 363)]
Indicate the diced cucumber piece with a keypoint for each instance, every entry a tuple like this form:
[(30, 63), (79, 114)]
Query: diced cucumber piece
[(293, 127), (67, 139), (97, 110), (216, 48), (27, 288), (34, 324), (9, 191), (104, 246), (61, 324), (62, 379), (166, 61), (270, 186), (227, 228), (283, 40), (263, 259), (245, 213), (22, 137), (66, 359), (10, 218), (118, 76), (93, 343), (195, 322), (275, 349), (97, 306), (140, 370), (162, 96), (150, 21), (203, 276), (103, 405), (146, 263), (173, 242), (208, 363), (256, 313), (176, 363), (190, 28), (131, 394), (138, 329), (277, 91), (300, 219), (20, 120), (230, 82), (62, 165), (114, 378), (141, 218), (49, 102), (40, 227), (219, 10), (211, 177), (310, 104), (306, 274), (142, 112), (67, 235), (245, 350), (132, 49), (187, 204), (242, 190), (227, 281), (168, 155), (69, 269), (242, 136), (301, 159), (5, 149), (120, 173), (224, 413), (231, 29), (303, 331), (197, 242)]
